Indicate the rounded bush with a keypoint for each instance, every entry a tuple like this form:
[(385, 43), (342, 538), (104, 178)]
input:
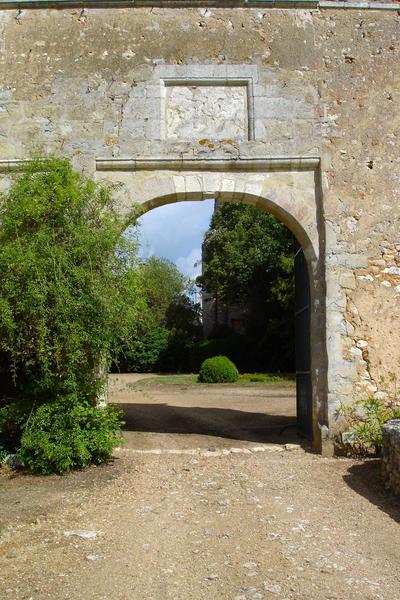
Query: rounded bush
[(218, 369), (65, 435)]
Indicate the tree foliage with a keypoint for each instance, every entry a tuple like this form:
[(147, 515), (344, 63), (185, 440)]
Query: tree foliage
[(69, 296), (248, 259), (162, 284), (245, 249), (170, 321)]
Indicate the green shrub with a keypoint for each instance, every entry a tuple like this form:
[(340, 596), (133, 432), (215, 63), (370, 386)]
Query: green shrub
[(70, 299), (70, 295), (142, 355), (65, 435), (13, 417), (366, 419), (218, 369)]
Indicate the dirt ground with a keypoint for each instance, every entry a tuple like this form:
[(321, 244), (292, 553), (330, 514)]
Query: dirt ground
[(188, 416), (191, 514)]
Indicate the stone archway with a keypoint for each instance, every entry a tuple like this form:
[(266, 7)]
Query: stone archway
[(287, 188)]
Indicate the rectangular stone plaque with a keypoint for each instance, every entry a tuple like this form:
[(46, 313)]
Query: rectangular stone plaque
[(215, 111)]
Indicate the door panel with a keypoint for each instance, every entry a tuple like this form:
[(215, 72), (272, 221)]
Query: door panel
[(302, 342)]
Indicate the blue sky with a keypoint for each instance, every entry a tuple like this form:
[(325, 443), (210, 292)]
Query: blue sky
[(176, 231)]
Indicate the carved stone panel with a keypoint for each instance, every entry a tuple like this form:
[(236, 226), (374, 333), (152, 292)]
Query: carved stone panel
[(204, 111)]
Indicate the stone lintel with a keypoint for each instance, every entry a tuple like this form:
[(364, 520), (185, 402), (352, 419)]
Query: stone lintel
[(295, 163), (274, 163)]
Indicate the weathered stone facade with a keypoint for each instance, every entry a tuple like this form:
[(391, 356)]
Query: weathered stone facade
[(293, 110)]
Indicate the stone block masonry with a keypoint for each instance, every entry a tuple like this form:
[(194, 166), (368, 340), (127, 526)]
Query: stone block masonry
[(293, 110), (391, 455)]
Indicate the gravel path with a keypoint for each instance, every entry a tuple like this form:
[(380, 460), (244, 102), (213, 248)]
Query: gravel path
[(241, 522)]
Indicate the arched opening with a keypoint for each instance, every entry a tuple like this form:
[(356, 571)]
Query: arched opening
[(303, 411), (288, 188), (302, 305)]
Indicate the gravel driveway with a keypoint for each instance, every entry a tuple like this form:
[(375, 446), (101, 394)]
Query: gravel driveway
[(240, 520)]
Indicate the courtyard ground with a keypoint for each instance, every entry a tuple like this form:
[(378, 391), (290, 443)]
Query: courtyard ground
[(175, 412), (216, 511)]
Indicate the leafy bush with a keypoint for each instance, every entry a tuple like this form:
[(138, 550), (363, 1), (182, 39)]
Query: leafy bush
[(218, 369), (65, 435), (142, 354), (69, 293), (70, 298), (13, 417), (366, 419)]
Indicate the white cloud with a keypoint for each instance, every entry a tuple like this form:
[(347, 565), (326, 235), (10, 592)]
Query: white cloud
[(190, 265), (175, 231)]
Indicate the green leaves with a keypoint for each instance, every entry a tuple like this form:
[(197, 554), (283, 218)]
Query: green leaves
[(218, 369), (242, 251), (70, 297), (366, 419), (162, 285), (169, 321), (248, 260), (67, 298), (68, 434)]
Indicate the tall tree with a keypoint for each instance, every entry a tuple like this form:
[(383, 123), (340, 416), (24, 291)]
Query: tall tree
[(248, 259), (169, 321), (163, 284)]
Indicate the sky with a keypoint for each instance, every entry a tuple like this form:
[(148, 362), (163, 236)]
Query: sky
[(176, 231)]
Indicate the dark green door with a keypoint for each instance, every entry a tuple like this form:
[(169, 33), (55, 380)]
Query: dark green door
[(302, 337)]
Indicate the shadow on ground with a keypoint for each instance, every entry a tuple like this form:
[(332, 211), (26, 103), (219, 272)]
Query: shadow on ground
[(219, 422), (365, 479)]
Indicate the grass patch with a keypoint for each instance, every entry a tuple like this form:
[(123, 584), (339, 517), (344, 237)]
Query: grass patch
[(178, 379), (245, 379), (268, 378)]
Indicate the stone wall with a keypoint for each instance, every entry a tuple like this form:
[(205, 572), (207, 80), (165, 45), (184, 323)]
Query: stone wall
[(237, 84), (391, 455)]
